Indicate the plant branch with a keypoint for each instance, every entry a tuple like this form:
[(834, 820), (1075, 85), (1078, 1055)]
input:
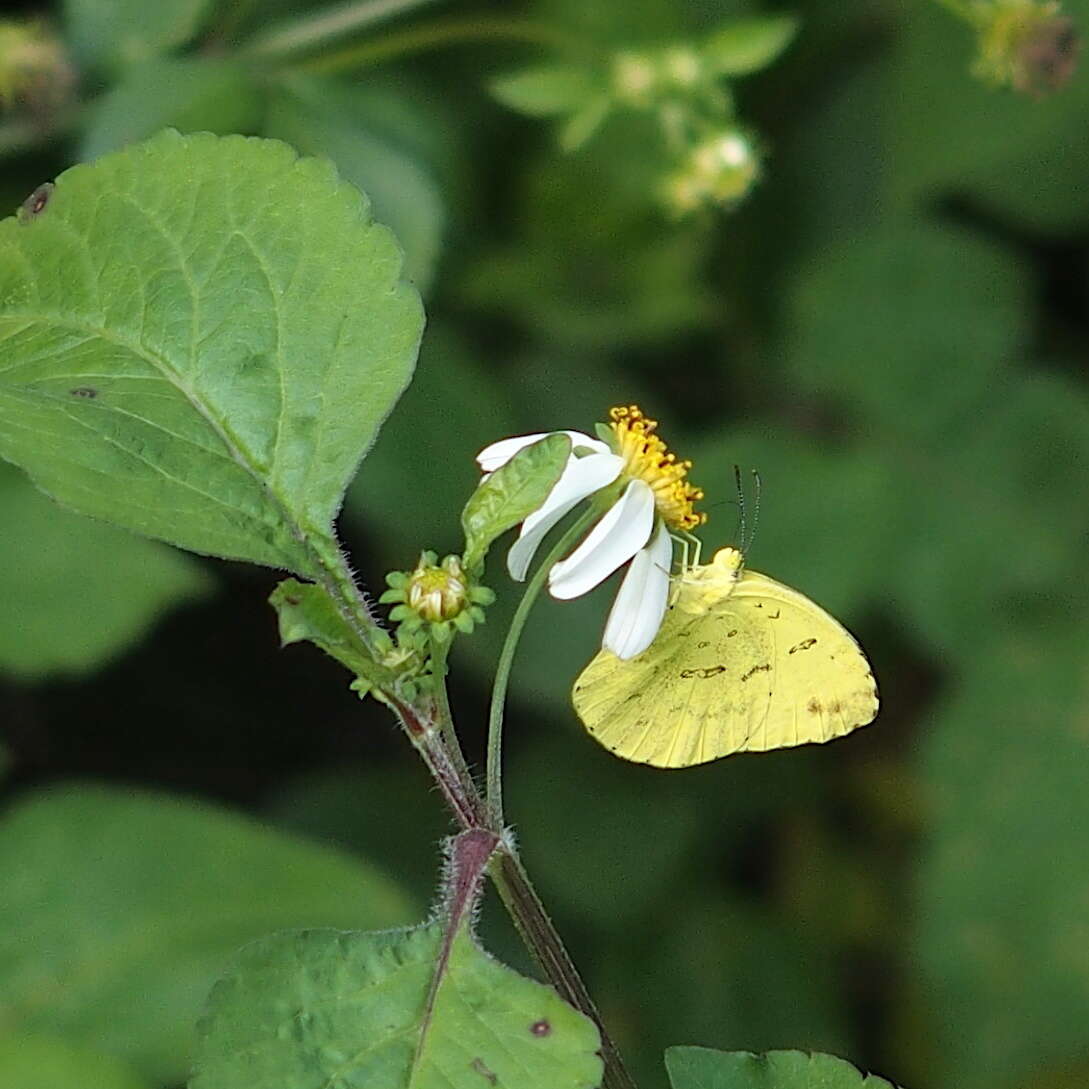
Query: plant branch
[(312, 31), (440, 33)]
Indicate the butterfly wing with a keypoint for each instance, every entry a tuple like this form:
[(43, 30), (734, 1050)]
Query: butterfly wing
[(760, 668)]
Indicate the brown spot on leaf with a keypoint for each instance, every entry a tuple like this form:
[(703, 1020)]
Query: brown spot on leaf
[(89, 393), (703, 674), (35, 204), (541, 1028), (805, 644)]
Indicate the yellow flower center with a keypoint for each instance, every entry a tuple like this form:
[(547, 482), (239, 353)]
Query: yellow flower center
[(646, 458)]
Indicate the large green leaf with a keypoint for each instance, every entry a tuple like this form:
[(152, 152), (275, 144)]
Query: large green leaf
[(108, 33), (1002, 944), (201, 337), (908, 317), (119, 909), (43, 1062), (322, 1009), (78, 592), (372, 139), (702, 1068), (193, 94)]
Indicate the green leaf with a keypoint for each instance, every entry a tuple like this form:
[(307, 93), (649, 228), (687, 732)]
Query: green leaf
[(110, 33), (43, 1062), (308, 614), (511, 494), (121, 907), (78, 592), (582, 124), (545, 90), (908, 316), (371, 138), (1000, 947), (703, 1068), (201, 337), (745, 46), (193, 94), (318, 1008)]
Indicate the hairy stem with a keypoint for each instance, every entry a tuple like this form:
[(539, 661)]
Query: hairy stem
[(494, 773)]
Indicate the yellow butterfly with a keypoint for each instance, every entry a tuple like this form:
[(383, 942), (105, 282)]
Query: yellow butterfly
[(741, 663)]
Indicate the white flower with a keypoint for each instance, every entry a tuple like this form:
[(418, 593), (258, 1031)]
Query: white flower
[(636, 528)]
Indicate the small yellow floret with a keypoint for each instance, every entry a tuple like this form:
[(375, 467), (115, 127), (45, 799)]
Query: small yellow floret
[(646, 458)]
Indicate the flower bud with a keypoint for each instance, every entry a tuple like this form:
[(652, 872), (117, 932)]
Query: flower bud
[(437, 593), (1028, 46), (720, 170), (34, 68), (634, 79)]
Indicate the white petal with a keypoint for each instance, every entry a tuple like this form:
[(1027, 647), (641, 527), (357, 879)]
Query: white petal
[(618, 535), (641, 601), (499, 453), (581, 477)]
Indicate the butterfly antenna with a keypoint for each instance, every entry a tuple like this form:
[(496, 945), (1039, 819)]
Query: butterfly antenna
[(740, 510), (756, 485)]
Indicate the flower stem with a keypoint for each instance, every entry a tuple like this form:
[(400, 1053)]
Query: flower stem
[(439, 653), (312, 31), (439, 33), (494, 773)]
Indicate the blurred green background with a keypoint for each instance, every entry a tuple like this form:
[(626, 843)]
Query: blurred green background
[(891, 328)]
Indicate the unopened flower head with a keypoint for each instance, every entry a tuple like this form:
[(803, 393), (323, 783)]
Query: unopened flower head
[(34, 69), (635, 78), (439, 595), (719, 170), (651, 497), (1028, 45)]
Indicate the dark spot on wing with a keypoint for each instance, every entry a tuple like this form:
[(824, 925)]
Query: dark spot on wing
[(35, 204), (89, 393), (835, 707), (813, 706), (541, 1028), (766, 667), (710, 671), (483, 1071), (731, 633), (703, 643), (805, 644)]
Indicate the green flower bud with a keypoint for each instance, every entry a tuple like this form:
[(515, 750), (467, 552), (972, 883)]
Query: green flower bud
[(34, 68), (1027, 45)]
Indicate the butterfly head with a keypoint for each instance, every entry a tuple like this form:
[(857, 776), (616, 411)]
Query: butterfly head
[(728, 563)]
